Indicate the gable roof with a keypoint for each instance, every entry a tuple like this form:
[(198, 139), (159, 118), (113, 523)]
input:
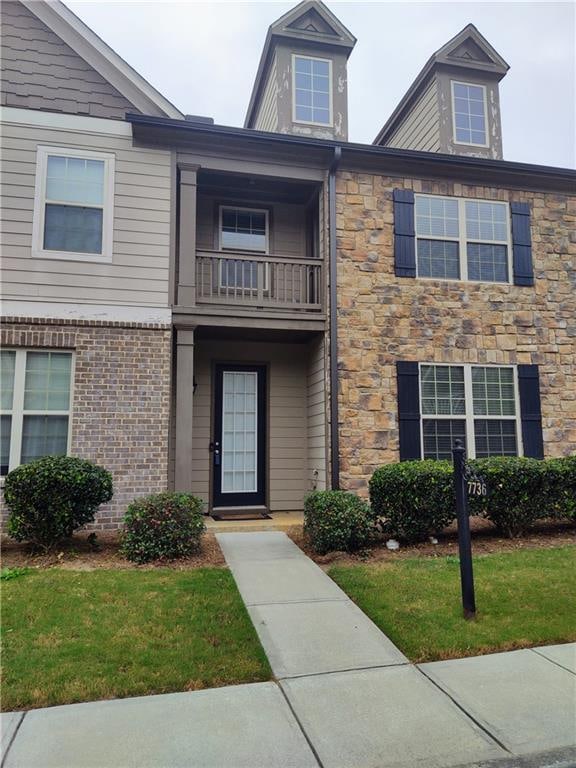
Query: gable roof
[(310, 22), (469, 50), (112, 67)]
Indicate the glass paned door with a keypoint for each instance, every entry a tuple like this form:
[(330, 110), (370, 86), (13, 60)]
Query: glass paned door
[(239, 436)]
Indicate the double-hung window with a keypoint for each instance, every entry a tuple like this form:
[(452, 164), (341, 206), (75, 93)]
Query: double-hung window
[(36, 404), (73, 209), (462, 239), (242, 229), (469, 113), (476, 404), (312, 90)]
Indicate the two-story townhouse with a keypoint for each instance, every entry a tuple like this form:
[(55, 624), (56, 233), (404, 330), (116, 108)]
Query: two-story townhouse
[(86, 239), (434, 297), (335, 306)]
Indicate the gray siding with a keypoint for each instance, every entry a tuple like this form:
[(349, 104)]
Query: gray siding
[(288, 387), (316, 414), (420, 129), (138, 274), (39, 71), (267, 117)]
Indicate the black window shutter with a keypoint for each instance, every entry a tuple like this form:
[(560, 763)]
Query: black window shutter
[(404, 234), (408, 410), (521, 244), (530, 413)]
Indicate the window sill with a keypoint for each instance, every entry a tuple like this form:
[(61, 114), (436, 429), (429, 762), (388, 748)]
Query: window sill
[(71, 256)]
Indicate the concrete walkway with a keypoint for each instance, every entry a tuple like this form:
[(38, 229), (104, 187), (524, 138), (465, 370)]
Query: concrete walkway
[(345, 696)]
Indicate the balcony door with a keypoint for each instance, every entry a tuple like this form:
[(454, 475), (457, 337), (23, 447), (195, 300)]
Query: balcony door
[(239, 446)]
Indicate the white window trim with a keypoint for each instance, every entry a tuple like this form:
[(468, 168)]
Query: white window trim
[(17, 411), (38, 250), (462, 239), (469, 416), (330, 91), (486, 144)]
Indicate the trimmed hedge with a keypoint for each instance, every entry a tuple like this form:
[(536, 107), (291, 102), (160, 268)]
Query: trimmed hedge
[(163, 526), (337, 521), (414, 499), (516, 497), (51, 497)]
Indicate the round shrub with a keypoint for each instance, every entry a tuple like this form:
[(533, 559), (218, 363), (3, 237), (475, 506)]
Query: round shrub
[(337, 521), (163, 526), (51, 497), (413, 499)]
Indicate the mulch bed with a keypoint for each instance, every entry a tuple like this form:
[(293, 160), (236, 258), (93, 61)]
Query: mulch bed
[(485, 540), (78, 555)]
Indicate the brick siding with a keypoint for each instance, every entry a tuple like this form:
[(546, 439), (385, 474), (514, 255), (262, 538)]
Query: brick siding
[(121, 400)]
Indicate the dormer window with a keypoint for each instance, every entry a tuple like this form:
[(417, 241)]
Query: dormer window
[(469, 111), (312, 90)]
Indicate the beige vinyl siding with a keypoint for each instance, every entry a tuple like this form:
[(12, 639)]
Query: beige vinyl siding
[(316, 414), (287, 224), (39, 71), (267, 117), (420, 129), (287, 416), (138, 274)]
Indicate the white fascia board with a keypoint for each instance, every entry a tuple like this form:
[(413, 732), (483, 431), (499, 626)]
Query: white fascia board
[(90, 47), (108, 313), (64, 122)]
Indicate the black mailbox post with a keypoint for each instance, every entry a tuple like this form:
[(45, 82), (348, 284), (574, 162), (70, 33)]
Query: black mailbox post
[(464, 543)]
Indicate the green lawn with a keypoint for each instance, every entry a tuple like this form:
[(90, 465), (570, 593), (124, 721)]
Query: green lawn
[(523, 598), (76, 636)]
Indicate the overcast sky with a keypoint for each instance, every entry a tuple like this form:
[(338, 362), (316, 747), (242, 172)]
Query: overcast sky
[(203, 57)]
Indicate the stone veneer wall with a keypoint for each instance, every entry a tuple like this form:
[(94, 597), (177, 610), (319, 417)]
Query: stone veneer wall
[(383, 318), (121, 399)]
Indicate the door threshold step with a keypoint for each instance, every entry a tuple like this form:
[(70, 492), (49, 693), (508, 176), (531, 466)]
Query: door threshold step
[(232, 514)]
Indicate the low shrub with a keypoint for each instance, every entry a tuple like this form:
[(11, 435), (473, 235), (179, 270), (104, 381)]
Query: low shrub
[(516, 497), (52, 497), (413, 499), (560, 487), (163, 526), (337, 521)]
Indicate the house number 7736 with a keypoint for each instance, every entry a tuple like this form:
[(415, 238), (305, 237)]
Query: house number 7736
[(477, 488)]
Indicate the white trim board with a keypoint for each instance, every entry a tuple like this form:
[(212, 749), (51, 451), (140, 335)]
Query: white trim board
[(101, 57), (64, 122), (102, 312)]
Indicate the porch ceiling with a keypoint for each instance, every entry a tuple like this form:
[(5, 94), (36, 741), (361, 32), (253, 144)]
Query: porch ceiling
[(265, 189)]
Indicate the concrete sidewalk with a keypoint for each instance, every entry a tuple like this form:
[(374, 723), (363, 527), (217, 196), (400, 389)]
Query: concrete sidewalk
[(345, 696)]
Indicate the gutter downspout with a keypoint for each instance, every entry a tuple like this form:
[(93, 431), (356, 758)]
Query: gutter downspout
[(334, 433)]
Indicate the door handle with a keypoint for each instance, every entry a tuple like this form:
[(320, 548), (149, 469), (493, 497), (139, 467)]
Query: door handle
[(215, 448)]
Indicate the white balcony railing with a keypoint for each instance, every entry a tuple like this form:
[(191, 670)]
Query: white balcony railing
[(252, 280)]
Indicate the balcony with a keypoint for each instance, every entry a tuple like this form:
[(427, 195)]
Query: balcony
[(240, 279)]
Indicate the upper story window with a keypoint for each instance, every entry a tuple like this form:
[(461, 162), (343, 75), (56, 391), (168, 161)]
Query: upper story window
[(462, 239), (312, 90), (477, 404), (469, 110), (244, 229), (35, 418), (73, 208)]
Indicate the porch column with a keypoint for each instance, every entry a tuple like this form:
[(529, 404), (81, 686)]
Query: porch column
[(184, 408), (187, 237)]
